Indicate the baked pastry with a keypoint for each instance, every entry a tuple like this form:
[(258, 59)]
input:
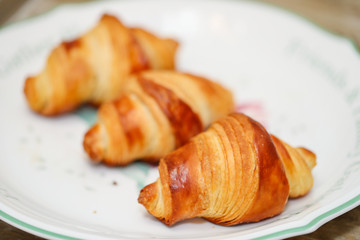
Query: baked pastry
[(159, 112), (234, 172), (94, 68)]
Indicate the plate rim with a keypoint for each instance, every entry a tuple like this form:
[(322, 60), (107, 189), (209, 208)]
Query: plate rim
[(309, 227)]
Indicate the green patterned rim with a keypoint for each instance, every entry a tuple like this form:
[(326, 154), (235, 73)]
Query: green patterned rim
[(23, 225), (287, 232)]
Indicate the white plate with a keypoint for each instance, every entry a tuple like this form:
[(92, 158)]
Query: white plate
[(300, 81)]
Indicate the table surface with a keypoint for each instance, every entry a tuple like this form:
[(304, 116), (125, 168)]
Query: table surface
[(341, 17)]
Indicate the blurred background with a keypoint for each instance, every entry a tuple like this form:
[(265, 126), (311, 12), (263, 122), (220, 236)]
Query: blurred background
[(338, 16), (341, 17)]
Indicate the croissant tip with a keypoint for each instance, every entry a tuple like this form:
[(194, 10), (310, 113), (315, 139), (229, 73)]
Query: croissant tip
[(147, 194), (36, 99), (27, 85), (150, 198), (107, 16), (92, 142), (31, 93), (309, 156)]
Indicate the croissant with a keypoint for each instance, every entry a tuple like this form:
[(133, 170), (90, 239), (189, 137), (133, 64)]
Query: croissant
[(234, 172), (159, 112), (94, 68)]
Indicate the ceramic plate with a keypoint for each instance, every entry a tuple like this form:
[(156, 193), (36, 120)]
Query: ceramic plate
[(299, 80)]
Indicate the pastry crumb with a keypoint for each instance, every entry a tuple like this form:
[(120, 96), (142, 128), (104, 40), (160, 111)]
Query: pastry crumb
[(94, 212)]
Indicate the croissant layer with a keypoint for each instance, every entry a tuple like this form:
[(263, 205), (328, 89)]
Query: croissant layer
[(232, 173), (94, 67)]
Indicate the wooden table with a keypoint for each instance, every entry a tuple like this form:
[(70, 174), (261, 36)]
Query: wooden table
[(339, 16)]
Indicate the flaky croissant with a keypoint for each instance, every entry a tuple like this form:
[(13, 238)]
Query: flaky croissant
[(94, 67), (160, 111), (232, 173)]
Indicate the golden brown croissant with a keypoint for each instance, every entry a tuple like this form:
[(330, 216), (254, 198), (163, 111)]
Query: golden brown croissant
[(94, 67), (160, 111), (232, 173)]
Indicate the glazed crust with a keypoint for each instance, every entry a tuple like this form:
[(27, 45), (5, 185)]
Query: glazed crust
[(159, 112), (230, 174), (94, 67)]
